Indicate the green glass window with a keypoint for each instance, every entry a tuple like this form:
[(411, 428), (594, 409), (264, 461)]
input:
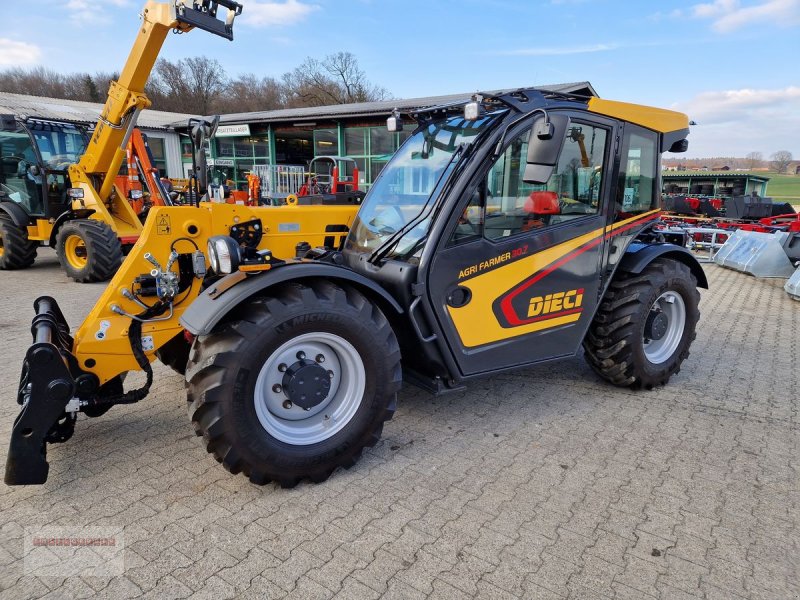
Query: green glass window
[(326, 142)]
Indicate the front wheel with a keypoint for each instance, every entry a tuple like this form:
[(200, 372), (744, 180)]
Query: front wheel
[(88, 250), (296, 385), (644, 326)]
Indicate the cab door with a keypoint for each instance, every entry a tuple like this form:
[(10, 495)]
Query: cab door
[(517, 277)]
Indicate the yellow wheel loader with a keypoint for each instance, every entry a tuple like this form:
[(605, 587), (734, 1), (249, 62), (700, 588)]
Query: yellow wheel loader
[(506, 231)]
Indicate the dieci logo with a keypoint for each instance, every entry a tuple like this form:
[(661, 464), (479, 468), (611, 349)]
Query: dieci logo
[(553, 303)]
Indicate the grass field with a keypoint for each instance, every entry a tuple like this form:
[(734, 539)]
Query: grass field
[(785, 188)]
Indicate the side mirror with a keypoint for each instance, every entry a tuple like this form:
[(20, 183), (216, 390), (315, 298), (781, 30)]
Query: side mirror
[(679, 146), (544, 147)]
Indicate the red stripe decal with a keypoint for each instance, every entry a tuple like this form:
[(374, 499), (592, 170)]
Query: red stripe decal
[(505, 303)]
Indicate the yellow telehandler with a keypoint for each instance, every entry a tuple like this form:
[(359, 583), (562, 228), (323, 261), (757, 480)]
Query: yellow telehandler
[(58, 189), (508, 230)]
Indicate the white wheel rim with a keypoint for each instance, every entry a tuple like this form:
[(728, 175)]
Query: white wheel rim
[(670, 304), (293, 424)]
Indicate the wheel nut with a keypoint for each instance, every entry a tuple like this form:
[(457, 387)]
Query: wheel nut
[(282, 367), (301, 355), (287, 404), (330, 373), (277, 388), (320, 358)]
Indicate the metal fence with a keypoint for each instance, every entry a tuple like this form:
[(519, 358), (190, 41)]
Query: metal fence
[(278, 181)]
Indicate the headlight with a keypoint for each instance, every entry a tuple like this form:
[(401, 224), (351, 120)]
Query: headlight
[(136, 194), (224, 254), (75, 193)]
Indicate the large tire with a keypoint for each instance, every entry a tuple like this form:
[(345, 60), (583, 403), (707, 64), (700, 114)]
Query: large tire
[(16, 251), (88, 250), (239, 393), (175, 353), (644, 326)]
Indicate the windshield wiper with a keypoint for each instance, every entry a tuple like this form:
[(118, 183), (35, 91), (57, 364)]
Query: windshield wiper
[(381, 251)]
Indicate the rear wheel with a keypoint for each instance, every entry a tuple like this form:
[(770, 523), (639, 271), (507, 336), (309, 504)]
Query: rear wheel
[(296, 385), (88, 250), (16, 251), (644, 326)]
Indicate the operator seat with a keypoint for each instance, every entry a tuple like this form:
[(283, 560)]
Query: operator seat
[(541, 205)]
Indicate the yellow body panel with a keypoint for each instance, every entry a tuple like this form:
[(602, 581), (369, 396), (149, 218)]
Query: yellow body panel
[(476, 323), (657, 119), (40, 230), (109, 354)]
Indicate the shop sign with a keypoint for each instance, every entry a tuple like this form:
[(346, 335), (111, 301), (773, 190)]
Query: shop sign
[(233, 130), (221, 162)]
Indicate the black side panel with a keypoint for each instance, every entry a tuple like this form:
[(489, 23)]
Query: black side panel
[(212, 305), (638, 256), (18, 215)]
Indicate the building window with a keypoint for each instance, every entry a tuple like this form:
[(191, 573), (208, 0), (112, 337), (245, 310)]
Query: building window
[(159, 154), (382, 141), (326, 142)]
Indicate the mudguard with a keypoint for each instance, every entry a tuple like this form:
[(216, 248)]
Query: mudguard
[(220, 298), (639, 255), (69, 215), (17, 214)]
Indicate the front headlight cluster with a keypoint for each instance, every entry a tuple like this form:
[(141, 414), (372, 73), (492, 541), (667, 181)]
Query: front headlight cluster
[(224, 254)]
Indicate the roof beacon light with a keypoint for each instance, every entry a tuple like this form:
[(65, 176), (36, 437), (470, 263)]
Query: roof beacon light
[(394, 123), (472, 109)]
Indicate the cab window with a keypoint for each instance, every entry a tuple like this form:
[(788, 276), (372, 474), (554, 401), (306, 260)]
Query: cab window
[(504, 205), (638, 176)]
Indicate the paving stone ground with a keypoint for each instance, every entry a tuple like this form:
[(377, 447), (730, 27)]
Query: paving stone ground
[(544, 483)]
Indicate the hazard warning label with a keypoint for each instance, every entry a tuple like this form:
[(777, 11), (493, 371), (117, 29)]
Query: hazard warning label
[(163, 226)]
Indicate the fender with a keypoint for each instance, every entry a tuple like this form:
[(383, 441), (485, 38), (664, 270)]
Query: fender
[(69, 215), (17, 214), (639, 255), (206, 311)]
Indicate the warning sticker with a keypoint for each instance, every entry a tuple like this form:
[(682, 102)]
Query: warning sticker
[(163, 226)]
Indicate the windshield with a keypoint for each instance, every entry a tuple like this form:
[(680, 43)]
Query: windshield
[(59, 145), (414, 174)]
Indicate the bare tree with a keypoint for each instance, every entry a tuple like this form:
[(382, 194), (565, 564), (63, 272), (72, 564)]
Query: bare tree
[(248, 93), (780, 160), (189, 86), (199, 85), (754, 159), (336, 79)]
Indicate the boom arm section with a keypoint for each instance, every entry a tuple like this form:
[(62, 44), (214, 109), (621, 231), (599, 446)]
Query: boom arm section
[(126, 98)]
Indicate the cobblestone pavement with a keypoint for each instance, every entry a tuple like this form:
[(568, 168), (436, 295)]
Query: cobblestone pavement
[(544, 483)]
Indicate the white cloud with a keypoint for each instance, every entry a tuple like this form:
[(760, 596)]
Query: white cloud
[(735, 122), (729, 15), (554, 51), (266, 14), (17, 54), (91, 12)]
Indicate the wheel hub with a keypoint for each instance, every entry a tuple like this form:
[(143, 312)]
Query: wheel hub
[(656, 326), (306, 383)]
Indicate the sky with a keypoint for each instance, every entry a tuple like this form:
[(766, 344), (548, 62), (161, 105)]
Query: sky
[(731, 65)]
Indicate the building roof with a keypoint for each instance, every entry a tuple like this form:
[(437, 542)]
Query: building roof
[(382, 107), (75, 111), (715, 174)]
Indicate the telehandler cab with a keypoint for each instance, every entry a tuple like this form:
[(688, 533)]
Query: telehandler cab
[(492, 240)]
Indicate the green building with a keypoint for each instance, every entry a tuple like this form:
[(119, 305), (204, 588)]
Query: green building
[(286, 140)]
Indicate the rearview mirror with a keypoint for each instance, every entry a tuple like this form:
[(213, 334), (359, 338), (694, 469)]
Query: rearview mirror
[(544, 147)]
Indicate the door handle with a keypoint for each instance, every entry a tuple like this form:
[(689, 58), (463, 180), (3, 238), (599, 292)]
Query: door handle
[(459, 297)]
